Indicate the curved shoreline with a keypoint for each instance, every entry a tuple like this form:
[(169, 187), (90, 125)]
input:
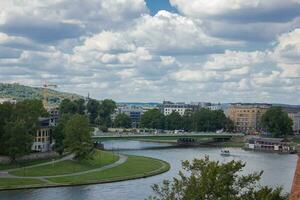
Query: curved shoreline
[(164, 168)]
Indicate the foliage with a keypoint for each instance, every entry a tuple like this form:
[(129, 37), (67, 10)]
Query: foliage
[(92, 108), (58, 133), (211, 180), (122, 121), (106, 108), (29, 112), (5, 115), (21, 92), (22, 117), (277, 122), (78, 136), (174, 121), (17, 140), (153, 119)]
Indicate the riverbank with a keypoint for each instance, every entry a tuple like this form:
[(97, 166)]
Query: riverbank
[(126, 167)]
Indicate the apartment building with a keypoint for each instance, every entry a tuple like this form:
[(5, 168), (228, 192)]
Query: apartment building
[(247, 117)]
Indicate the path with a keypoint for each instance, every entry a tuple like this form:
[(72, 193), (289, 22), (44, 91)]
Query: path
[(68, 157), (295, 191)]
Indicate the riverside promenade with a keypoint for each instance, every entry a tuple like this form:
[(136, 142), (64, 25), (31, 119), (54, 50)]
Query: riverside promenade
[(295, 191)]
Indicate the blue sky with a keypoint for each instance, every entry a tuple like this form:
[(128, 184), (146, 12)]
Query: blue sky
[(155, 50), (157, 5)]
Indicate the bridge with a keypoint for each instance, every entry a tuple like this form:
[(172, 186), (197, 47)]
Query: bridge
[(194, 136)]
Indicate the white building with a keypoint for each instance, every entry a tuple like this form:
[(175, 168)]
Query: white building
[(169, 107), (295, 116)]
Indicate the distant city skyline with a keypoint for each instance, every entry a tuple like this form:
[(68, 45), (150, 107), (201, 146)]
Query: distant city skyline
[(154, 50)]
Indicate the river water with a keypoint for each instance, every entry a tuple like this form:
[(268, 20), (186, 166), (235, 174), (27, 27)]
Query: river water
[(278, 170)]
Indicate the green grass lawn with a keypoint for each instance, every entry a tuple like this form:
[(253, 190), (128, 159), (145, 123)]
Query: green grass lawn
[(15, 182), (134, 167), (24, 163), (101, 158)]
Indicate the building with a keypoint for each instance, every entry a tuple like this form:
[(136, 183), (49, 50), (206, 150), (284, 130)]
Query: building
[(42, 140), (54, 114), (279, 145), (247, 117), (168, 107), (134, 112), (294, 114)]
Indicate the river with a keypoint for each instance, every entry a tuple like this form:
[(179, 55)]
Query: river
[(278, 170)]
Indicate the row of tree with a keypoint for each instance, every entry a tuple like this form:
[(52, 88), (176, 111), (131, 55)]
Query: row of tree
[(203, 120), (18, 124), (277, 122), (98, 112), (73, 133)]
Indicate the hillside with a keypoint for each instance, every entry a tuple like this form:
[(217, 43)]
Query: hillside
[(21, 92)]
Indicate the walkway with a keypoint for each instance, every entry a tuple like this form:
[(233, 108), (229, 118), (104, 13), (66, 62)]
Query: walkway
[(5, 174), (295, 192)]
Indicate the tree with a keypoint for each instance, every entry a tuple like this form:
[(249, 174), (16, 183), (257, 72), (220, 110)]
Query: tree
[(80, 107), (78, 137), (29, 111), (211, 180), (58, 133), (92, 108), (67, 106), (122, 121), (277, 122), (153, 119), (17, 140), (229, 125), (106, 108), (174, 121), (5, 115)]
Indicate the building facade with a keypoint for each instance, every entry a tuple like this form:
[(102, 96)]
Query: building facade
[(247, 117), (168, 107), (295, 116), (134, 112), (42, 139)]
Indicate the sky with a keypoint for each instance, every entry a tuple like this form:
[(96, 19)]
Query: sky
[(155, 50)]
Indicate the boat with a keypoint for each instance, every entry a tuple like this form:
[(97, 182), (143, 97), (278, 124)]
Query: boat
[(225, 153)]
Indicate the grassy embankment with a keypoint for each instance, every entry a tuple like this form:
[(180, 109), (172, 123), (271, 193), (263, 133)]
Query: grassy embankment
[(26, 163), (101, 158), (134, 167), (17, 182)]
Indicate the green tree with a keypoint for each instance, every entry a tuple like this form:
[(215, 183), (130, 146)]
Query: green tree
[(106, 108), (211, 180), (153, 119), (187, 121), (67, 106), (78, 137), (122, 121), (80, 106), (229, 125), (277, 122), (209, 120), (17, 140), (5, 115), (58, 133), (29, 111), (174, 121), (92, 108)]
